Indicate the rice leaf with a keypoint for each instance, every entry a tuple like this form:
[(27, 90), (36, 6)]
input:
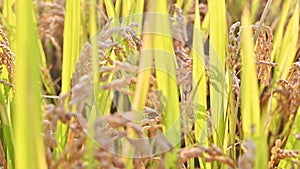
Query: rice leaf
[(199, 80), (126, 8), (27, 114), (110, 8), (93, 33), (217, 51), (280, 29), (117, 8), (288, 47), (249, 95), (255, 4), (199, 84), (165, 70), (71, 48), (250, 107), (71, 42)]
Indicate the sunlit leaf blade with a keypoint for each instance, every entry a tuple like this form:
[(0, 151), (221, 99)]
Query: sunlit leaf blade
[(249, 95), (142, 86), (27, 114), (165, 66), (199, 80), (280, 29), (95, 61), (250, 107), (70, 54), (254, 8), (145, 64), (165, 70), (218, 29), (217, 51), (288, 47), (126, 8), (71, 42), (117, 7), (199, 84), (110, 8)]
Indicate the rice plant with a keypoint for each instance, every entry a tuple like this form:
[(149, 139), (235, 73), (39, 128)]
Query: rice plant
[(209, 84)]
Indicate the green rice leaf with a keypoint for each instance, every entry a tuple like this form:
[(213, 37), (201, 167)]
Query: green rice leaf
[(288, 47), (280, 29), (71, 42), (250, 107), (71, 49), (199, 80), (199, 85), (254, 8), (165, 70), (217, 51), (249, 95), (110, 8), (27, 114)]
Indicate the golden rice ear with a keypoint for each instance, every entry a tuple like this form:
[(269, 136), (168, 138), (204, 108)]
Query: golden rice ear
[(7, 57)]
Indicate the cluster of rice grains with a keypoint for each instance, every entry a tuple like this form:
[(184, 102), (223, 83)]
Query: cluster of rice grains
[(208, 154), (288, 95), (263, 48), (6, 58), (73, 156), (278, 154), (286, 92), (51, 17)]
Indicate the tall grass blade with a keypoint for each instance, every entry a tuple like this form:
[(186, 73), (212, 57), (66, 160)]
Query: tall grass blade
[(217, 51), (145, 64), (117, 6), (278, 35), (29, 145), (93, 38), (110, 8), (126, 8), (250, 107), (199, 80), (71, 47), (165, 70), (199, 83), (288, 47), (254, 9)]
